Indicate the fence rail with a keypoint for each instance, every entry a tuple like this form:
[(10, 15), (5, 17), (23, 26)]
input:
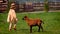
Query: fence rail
[(3, 5), (38, 6)]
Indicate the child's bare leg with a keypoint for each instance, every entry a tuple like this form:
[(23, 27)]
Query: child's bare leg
[(14, 26), (10, 26)]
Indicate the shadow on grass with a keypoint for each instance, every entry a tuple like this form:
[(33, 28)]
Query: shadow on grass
[(33, 31)]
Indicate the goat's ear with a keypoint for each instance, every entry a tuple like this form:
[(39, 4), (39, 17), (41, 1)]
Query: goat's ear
[(25, 16)]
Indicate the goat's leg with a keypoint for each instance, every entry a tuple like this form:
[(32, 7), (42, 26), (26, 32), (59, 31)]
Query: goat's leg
[(39, 29), (30, 29)]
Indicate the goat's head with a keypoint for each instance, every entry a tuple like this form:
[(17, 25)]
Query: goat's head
[(25, 17)]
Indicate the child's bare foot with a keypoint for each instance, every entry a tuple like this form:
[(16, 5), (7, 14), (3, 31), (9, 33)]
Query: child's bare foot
[(14, 28), (9, 29)]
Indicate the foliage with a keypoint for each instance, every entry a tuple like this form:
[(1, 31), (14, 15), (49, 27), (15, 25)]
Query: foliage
[(46, 6)]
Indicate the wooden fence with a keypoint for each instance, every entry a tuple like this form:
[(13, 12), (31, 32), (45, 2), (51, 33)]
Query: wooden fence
[(29, 6), (3, 5)]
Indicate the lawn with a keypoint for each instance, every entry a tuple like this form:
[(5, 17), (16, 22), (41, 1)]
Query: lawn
[(51, 23)]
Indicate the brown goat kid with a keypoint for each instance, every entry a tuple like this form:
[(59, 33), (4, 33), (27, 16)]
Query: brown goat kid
[(33, 22)]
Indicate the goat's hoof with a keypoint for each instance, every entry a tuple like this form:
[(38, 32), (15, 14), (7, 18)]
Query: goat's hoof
[(38, 31), (30, 32), (14, 28)]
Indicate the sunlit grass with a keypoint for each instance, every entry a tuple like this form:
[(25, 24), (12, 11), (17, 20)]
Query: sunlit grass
[(51, 23)]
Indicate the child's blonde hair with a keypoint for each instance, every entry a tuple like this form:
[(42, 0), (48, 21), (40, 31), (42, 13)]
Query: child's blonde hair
[(13, 5)]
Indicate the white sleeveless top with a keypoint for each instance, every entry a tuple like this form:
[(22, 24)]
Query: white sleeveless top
[(11, 15)]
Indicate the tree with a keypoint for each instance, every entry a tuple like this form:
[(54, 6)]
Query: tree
[(46, 6), (9, 3)]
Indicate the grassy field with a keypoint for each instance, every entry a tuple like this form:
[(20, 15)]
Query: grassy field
[(51, 23)]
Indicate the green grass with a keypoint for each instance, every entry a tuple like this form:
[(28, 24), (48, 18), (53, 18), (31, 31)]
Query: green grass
[(51, 23)]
